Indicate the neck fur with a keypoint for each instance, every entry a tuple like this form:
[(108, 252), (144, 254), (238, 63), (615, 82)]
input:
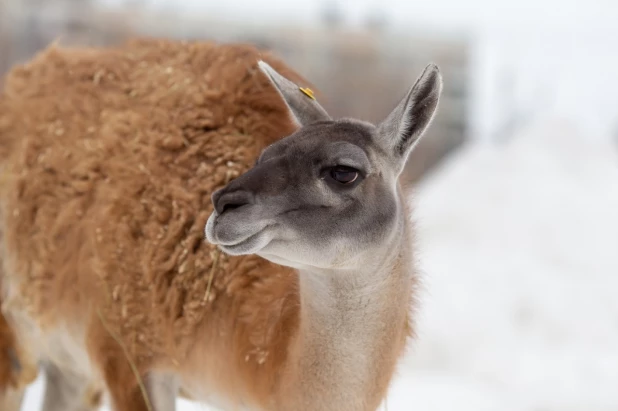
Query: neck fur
[(353, 326)]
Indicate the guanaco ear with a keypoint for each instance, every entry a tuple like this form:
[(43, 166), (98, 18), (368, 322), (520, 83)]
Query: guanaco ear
[(405, 125), (303, 106)]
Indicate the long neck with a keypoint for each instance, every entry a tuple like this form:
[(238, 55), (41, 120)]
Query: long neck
[(353, 327)]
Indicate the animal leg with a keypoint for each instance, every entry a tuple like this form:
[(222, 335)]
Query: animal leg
[(16, 372), (162, 390), (158, 392), (66, 391), (11, 399)]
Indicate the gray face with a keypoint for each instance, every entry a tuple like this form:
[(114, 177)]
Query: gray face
[(317, 195), (327, 194)]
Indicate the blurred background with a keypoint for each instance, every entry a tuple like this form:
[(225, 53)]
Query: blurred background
[(516, 182)]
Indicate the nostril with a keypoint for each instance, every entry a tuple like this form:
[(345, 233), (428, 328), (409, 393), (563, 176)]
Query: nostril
[(230, 206), (230, 201)]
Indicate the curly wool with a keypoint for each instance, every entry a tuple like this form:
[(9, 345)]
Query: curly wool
[(108, 159)]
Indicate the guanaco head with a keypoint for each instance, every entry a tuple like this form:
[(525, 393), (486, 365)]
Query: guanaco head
[(327, 195)]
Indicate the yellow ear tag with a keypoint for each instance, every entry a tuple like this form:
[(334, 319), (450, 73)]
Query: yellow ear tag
[(308, 92)]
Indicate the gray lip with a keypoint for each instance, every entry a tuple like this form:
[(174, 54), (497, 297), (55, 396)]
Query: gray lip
[(243, 247), (238, 245), (209, 234)]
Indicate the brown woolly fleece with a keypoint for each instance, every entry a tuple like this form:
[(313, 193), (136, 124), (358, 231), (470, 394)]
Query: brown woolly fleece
[(108, 159)]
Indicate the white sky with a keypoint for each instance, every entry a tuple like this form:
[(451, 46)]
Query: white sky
[(580, 15), (558, 56)]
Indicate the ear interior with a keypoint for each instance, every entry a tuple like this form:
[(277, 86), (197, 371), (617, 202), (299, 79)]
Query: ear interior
[(405, 125), (303, 106)]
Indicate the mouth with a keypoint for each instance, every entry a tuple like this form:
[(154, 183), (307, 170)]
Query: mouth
[(250, 245), (244, 245)]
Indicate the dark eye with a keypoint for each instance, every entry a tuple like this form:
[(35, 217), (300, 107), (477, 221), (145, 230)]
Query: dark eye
[(343, 174)]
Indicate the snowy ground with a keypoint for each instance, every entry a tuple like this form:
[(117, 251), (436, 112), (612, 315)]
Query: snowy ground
[(519, 244), (519, 250)]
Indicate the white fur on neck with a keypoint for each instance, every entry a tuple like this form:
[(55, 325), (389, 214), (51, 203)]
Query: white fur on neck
[(345, 316)]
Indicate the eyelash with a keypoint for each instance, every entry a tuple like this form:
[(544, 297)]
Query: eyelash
[(328, 174)]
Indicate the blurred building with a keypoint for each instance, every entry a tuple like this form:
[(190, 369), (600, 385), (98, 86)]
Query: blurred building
[(360, 72)]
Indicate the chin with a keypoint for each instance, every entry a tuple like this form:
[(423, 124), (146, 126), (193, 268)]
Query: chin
[(273, 258), (296, 256)]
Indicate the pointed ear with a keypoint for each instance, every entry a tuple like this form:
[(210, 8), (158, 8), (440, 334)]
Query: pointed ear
[(405, 125), (303, 106)]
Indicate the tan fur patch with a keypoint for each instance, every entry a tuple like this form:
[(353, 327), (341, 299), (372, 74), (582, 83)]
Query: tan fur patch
[(109, 158)]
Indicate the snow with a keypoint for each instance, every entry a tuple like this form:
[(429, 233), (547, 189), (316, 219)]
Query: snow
[(518, 249), (519, 245)]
